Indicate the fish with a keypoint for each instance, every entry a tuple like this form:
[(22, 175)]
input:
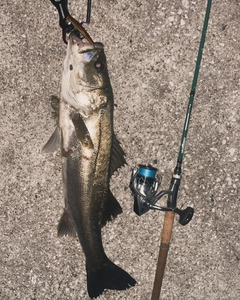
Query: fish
[(90, 154)]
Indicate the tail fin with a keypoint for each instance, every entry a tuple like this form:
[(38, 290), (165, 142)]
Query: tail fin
[(108, 276)]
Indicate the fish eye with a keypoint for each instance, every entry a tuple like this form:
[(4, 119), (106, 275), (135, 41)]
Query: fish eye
[(99, 65)]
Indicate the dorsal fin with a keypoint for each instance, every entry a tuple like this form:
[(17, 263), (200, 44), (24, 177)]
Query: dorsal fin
[(117, 156)]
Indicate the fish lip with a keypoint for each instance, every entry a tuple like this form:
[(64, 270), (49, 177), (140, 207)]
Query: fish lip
[(89, 48), (86, 48)]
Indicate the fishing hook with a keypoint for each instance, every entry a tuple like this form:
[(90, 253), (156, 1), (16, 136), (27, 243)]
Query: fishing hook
[(68, 23)]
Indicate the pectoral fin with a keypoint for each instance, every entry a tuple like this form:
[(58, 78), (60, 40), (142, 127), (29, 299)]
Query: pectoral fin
[(117, 156), (112, 209), (66, 226), (82, 131), (53, 143)]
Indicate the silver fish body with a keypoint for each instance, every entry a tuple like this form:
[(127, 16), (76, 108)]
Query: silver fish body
[(90, 154)]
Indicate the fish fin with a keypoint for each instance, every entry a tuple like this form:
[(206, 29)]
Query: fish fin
[(66, 226), (112, 209), (53, 143), (117, 156), (82, 131), (107, 276)]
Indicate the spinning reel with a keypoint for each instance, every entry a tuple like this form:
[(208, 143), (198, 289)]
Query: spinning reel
[(144, 185)]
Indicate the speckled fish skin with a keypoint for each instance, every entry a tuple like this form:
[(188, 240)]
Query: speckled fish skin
[(90, 153)]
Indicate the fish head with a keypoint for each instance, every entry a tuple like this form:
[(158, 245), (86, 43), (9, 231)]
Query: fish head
[(87, 63)]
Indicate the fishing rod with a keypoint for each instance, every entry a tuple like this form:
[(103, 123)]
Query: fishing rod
[(145, 182)]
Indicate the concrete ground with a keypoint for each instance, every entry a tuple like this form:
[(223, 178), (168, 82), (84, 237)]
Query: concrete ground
[(151, 47)]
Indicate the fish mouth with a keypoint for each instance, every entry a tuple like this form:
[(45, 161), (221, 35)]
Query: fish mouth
[(84, 47), (88, 48)]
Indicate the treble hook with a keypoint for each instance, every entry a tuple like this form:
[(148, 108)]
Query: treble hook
[(68, 23)]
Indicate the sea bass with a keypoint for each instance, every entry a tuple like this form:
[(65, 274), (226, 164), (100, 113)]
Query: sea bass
[(90, 154)]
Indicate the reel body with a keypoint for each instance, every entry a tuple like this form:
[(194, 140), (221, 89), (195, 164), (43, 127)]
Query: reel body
[(144, 185)]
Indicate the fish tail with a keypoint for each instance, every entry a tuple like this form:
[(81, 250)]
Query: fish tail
[(107, 276)]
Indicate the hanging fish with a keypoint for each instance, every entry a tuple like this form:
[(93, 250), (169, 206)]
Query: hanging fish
[(90, 154)]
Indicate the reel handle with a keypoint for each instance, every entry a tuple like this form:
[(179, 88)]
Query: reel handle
[(185, 215)]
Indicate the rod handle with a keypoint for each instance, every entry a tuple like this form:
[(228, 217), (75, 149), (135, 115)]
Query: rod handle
[(163, 252)]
